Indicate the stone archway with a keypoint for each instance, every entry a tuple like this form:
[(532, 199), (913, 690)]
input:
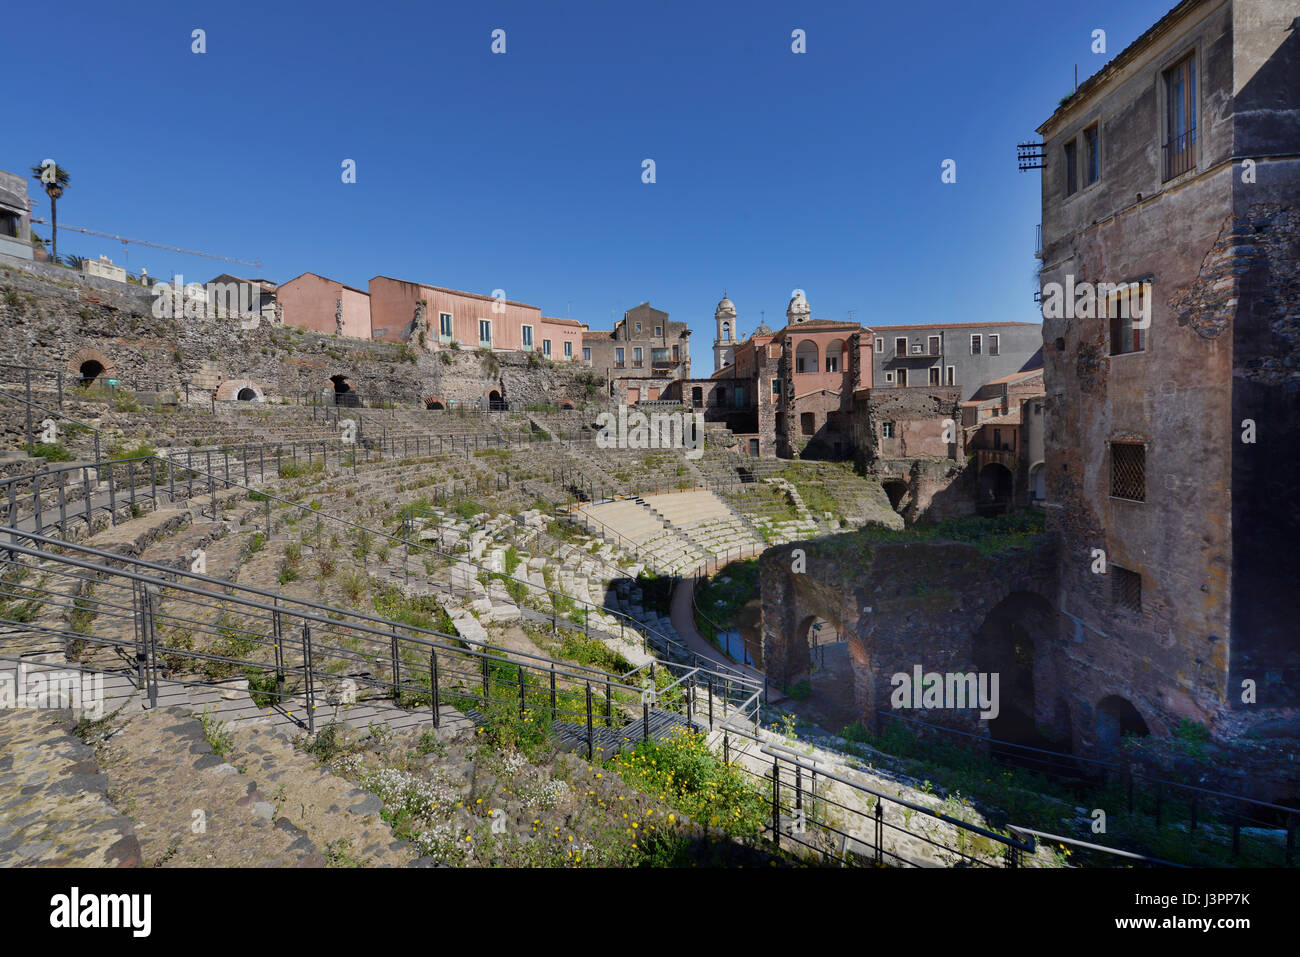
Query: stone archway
[(90, 365), (240, 390), (996, 489), (344, 392), (496, 402), (896, 489), (1116, 717), (1015, 642), (567, 404), (435, 403)]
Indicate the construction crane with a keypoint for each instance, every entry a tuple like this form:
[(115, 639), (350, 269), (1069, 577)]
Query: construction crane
[(141, 242)]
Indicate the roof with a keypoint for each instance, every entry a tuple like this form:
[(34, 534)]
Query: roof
[(264, 283), (1122, 59), (328, 279), (950, 325), (564, 322), (457, 292)]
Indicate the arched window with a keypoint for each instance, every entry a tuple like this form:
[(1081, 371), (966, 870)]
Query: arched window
[(835, 355), (805, 357)]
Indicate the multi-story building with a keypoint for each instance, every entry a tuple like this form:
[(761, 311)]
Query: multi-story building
[(961, 355), (641, 354), (435, 318), (1173, 439)]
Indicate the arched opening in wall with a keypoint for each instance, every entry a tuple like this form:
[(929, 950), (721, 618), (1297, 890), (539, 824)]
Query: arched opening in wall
[(726, 332), (343, 392), (567, 404), (896, 489), (697, 398), (824, 682), (247, 395), (835, 356), (496, 403), (90, 370), (1037, 484), (435, 404), (996, 484), (805, 356), (1011, 638), (1117, 717)]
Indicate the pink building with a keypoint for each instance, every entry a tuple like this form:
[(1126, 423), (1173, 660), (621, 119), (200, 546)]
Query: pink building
[(469, 319), (313, 302)]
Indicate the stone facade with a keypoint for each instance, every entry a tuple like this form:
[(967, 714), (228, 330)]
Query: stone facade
[(1198, 596)]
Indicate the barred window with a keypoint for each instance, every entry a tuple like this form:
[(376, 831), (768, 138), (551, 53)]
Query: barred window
[(1128, 472), (1125, 589)]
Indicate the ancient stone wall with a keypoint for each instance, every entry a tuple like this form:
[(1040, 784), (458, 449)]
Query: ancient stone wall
[(941, 605)]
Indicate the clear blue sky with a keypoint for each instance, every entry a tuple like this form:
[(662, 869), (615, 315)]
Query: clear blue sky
[(523, 171)]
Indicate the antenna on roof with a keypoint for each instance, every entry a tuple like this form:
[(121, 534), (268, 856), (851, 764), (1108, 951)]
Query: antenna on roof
[(1076, 78)]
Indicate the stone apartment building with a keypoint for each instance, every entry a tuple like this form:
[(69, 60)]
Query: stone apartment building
[(1173, 440), (641, 355)]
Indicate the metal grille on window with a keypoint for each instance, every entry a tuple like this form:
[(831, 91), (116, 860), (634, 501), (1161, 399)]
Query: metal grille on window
[(1128, 477), (1125, 588)]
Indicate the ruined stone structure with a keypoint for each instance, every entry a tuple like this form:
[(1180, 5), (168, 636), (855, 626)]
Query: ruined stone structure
[(944, 606), (98, 328), (1171, 444)]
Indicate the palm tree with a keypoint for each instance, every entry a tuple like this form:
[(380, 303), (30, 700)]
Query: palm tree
[(54, 187)]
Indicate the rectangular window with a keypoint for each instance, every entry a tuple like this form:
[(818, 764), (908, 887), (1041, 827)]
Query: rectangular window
[(485, 332), (976, 345), (586, 354), (1128, 313), (546, 348), (636, 356), (902, 378), (886, 430), (934, 375), (776, 387), (659, 330), (900, 346), (638, 327), (934, 345), (1091, 155), (527, 332), (995, 344), (618, 357), (832, 363), (568, 349), (889, 377), (1128, 471), (1180, 117), (952, 375), (880, 347), (1071, 168), (677, 353), (807, 423), (444, 325), (1125, 589)]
